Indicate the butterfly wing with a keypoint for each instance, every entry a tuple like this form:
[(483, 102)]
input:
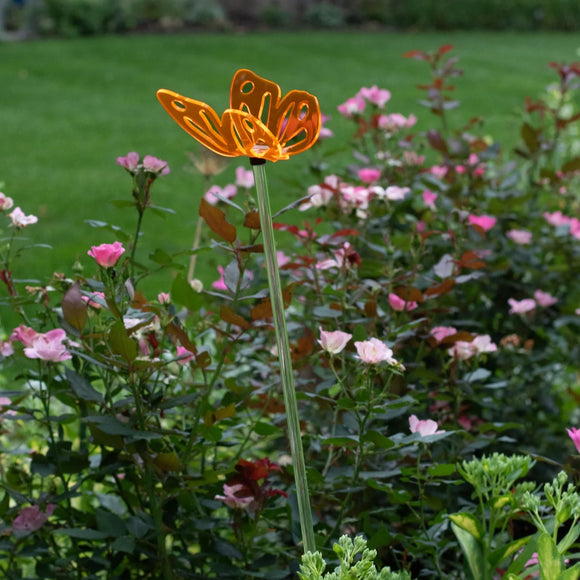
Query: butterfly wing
[(296, 121), (254, 95), (200, 121)]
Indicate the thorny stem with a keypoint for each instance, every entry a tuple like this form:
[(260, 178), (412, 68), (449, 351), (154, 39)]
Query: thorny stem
[(294, 435)]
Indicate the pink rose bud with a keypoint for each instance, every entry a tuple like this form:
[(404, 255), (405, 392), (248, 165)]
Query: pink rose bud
[(485, 222), (333, 342), (399, 304), (107, 255)]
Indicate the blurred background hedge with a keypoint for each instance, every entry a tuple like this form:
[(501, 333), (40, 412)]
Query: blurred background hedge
[(89, 17)]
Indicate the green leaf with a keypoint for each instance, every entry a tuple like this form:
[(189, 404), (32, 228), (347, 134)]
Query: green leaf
[(120, 342), (472, 550), (182, 293), (74, 308), (124, 544), (499, 555), (81, 533), (572, 573), (112, 426), (551, 563), (264, 428), (82, 388), (122, 203), (110, 523), (378, 439), (469, 523), (442, 470)]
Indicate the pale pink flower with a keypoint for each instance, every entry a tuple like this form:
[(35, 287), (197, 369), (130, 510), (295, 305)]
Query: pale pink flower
[(439, 171), (6, 402), (557, 218), (6, 348), (49, 347), (107, 255), (575, 228), (574, 434), (31, 519), (282, 259), (211, 195), (369, 174), (354, 197), (485, 222), (90, 299), (184, 356), (413, 158), (320, 195), (399, 304), (353, 106), (333, 342), (129, 162), (544, 299), (429, 198), (345, 257), (376, 96), (473, 159), (154, 165), (395, 121), (374, 351), (5, 202), (463, 350), (392, 193), (244, 177), (231, 499), (521, 306), (459, 169), (441, 332), (424, 427), (325, 132), (220, 284), (420, 226), (163, 298), (522, 237), (24, 334), (20, 220)]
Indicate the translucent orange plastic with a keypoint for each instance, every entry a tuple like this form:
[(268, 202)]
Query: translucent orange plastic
[(259, 123)]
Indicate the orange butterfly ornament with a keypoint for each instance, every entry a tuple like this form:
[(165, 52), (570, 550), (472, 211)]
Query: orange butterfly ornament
[(260, 123)]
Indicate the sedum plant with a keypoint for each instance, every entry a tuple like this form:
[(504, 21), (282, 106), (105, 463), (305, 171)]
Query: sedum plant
[(351, 566)]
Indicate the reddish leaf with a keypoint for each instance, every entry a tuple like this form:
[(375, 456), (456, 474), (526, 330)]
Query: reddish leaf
[(203, 360), (436, 141), (304, 347), (215, 218), (252, 220), (444, 49), (264, 308), (255, 249), (409, 293), (74, 308), (442, 288), (470, 260), (345, 232), (229, 316), (530, 137), (181, 336), (571, 165), (453, 338), (371, 308)]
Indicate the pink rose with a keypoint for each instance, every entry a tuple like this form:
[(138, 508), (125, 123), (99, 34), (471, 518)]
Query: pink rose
[(220, 283), (19, 220), (231, 499), (575, 436), (545, 299), (521, 306), (557, 218), (485, 222), (441, 332), (429, 198), (522, 237), (325, 132), (369, 175), (90, 299), (374, 95), (184, 356), (353, 106), (49, 347), (282, 259), (6, 348), (399, 304), (439, 171), (163, 298), (154, 165), (244, 177), (5, 202), (463, 350), (107, 255), (333, 342), (374, 351), (425, 427), (24, 334), (31, 518), (129, 162), (211, 195)]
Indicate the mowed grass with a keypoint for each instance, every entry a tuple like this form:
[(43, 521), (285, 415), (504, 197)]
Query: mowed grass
[(69, 108)]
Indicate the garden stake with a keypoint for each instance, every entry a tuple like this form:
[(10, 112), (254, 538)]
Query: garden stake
[(286, 376), (262, 125)]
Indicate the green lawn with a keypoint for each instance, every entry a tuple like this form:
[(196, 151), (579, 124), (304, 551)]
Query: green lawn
[(69, 108)]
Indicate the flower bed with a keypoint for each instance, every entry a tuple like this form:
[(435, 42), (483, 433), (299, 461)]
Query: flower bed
[(432, 311)]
